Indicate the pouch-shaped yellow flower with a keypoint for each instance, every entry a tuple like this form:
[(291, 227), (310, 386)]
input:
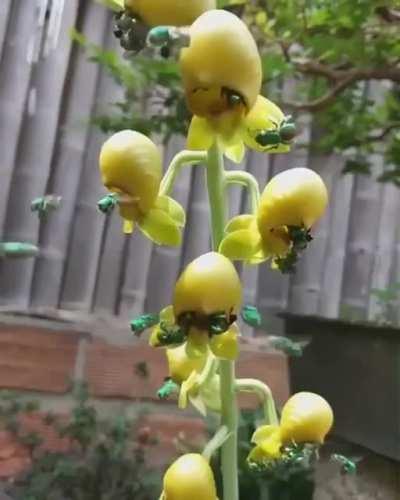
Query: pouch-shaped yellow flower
[(296, 197), (130, 167), (209, 284), (189, 478), (306, 418), (169, 12), (221, 68)]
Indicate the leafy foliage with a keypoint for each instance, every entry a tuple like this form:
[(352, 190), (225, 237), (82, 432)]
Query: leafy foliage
[(106, 460)]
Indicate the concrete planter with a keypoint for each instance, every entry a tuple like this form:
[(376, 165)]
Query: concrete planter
[(356, 367)]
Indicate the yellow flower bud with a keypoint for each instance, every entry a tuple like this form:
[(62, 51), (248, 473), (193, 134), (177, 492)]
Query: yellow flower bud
[(306, 418), (169, 12), (226, 345), (222, 60), (189, 478), (130, 164), (295, 197), (209, 284)]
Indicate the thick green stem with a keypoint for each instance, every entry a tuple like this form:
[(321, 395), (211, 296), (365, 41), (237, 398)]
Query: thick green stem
[(215, 176), (181, 159), (265, 395), (248, 180)]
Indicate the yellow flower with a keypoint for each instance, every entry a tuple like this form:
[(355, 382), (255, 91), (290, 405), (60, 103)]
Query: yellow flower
[(183, 360), (306, 418), (130, 167), (189, 478), (293, 199), (221, 63), (207, 298), (169, 12), (296, 197), (208, 285), (260, 129), (204, 396)]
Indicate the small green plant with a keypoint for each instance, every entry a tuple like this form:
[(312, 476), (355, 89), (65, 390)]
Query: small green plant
[(386, 300), (106, 460)]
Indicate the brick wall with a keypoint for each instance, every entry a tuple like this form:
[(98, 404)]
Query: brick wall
[(43, 357)]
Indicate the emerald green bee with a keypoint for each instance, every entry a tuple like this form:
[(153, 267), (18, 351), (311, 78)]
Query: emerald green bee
[(283, 133)]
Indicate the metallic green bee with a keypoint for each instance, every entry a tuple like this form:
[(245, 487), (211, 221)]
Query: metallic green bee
[(45, 204), (284, 133), (17, 250)]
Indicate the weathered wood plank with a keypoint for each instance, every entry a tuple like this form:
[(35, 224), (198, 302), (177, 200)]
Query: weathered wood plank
[(15, 73), (69, 159), (34, 156), (5, 9)]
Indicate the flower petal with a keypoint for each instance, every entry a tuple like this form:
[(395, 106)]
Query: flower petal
[(188, 385), (226, 345), (160, 228), (201, 135), (241, 245), (236, 152), (172, 208), (243, 221), (128, 226), (167, 315), (262, 433)]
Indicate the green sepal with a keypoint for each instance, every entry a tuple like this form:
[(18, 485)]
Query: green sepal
[(140, 324), (169, 387), (251, 316)]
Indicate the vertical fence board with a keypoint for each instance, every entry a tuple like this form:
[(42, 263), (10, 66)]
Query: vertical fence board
[(5, 8), (69, 161), (15, 73), (34, 158)]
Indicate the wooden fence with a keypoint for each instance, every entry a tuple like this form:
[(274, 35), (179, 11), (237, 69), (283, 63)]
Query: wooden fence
[(85, 263)]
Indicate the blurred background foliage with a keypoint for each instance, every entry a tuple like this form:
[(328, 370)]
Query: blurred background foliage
[(338, 61)]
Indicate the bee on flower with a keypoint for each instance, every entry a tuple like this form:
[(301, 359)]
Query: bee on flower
[(199, 328), (130, 167), (222, 76), (206, 301), (306, 418), (291, 203)]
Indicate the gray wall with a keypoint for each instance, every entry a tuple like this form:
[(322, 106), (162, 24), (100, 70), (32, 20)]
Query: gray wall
[(86, 264)]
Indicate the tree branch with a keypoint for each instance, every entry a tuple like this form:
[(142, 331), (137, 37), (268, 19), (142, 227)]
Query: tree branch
[(342, 79)]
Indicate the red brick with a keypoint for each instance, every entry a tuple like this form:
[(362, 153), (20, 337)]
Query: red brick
[(113, 371), (34, 422), (36, 359), (14, 457)]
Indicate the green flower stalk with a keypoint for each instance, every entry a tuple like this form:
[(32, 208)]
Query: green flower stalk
[(221, 76)]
